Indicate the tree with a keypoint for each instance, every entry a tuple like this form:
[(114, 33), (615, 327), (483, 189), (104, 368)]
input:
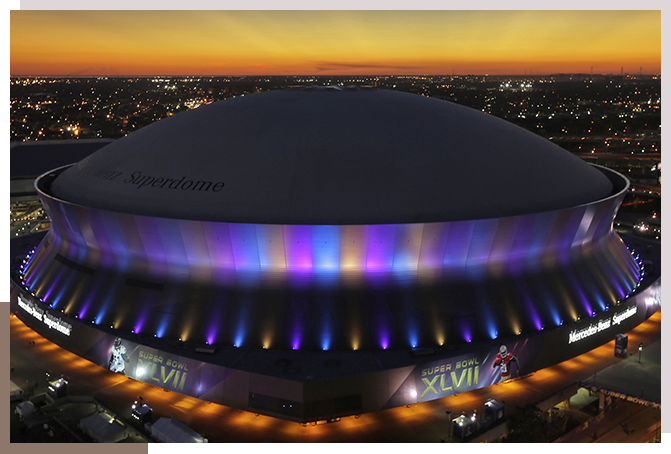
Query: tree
[(527, 425)]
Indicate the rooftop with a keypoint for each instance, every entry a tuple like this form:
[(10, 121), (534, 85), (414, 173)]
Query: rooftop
[(331, 156)]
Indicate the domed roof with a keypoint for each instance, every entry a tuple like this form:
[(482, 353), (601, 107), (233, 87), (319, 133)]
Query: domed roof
[(331, 156)]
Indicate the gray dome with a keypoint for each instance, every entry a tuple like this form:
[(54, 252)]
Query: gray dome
[(331, 156)]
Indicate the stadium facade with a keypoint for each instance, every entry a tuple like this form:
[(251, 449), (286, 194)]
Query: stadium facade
[(316, 253)]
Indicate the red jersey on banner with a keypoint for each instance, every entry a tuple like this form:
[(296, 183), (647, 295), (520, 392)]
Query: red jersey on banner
[(503, 360)]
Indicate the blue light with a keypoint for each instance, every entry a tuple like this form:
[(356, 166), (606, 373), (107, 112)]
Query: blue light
[(413, 338), (237, 342), (326, 343)]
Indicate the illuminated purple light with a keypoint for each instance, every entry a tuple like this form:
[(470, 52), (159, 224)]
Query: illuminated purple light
[(531, 308), (296, 339), (380, 252), (298, 243), (384, 343), (90, 298)]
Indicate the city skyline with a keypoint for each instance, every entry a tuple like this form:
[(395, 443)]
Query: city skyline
[(144, 43)]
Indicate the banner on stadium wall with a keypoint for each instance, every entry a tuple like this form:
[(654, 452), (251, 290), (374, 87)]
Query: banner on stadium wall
[(474, 370), (159, 368)]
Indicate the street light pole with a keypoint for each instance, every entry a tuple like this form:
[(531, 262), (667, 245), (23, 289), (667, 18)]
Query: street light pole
[(640, 349), (449, 423)]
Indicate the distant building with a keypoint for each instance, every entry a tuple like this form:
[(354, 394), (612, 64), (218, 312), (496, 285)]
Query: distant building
[(28, 160)]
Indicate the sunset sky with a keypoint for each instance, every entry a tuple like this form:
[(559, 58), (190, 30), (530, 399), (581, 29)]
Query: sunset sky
[(333, 42)]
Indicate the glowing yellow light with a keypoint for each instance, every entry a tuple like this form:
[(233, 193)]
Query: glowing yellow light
[(355, 344)]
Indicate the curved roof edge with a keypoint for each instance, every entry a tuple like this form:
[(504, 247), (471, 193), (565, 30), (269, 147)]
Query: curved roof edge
[(619, 182)]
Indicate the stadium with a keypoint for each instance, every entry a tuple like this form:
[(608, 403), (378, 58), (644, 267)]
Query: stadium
[(317, 253)]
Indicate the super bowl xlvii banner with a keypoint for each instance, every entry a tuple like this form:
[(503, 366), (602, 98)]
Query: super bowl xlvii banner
[(473, 370), (159, 368)]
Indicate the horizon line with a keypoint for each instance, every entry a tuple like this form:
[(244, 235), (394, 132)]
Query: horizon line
[(336, 75)]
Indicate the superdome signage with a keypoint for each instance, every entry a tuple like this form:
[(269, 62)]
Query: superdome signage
[(140, 180), (51, 321), (601, 325)]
